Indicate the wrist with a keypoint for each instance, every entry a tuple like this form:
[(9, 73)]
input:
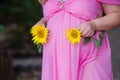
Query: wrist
[(93, 25), (44, 19)]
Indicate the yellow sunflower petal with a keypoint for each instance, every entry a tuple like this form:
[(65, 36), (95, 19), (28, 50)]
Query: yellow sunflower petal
[(39, 33), (74, 35)]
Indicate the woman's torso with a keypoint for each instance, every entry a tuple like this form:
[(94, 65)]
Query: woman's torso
[(84, 9)]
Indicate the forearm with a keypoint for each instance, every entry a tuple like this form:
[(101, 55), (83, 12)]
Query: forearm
[(43, 18), (42, 21), (42, 2), (107, 22)]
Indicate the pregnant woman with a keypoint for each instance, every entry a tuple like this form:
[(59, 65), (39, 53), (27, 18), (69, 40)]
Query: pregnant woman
[(65, 61)]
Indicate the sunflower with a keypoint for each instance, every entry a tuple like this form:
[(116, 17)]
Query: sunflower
[(73, 35), (39, 33)]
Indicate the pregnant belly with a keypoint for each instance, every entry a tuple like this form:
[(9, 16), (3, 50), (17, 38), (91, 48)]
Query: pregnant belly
[(83, 9)]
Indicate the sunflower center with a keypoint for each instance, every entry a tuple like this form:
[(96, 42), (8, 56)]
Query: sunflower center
[(41, 34), (74, 34)]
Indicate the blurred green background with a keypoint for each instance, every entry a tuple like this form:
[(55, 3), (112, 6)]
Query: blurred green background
[(19, 58), (17, 17)]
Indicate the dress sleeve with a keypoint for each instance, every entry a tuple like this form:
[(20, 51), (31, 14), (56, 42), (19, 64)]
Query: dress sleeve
[(109, 1)]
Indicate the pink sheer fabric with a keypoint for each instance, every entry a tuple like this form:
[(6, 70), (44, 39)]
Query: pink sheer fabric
[(74, 7), (64, 61)]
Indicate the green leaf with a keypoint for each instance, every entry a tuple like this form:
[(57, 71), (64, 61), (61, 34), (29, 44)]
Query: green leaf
[(87, 39), (97, 43), (39, 47), (1, 28), (102, 35)]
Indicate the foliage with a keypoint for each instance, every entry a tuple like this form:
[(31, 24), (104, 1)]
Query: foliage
[(1, 28), (23, 13), (96, 41)]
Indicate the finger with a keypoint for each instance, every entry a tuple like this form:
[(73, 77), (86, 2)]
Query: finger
[(84, 33), (88, 34), (92, 33), (81, 26), (82, 29)]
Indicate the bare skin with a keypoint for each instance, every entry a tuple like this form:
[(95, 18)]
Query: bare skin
[(42, 1), (107, 22), (42, 21)]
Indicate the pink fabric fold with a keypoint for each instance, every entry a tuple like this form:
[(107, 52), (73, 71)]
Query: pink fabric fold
[(65, 61), (69, 8)]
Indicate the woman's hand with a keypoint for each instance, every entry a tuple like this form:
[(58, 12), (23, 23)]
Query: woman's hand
[(87, 29), (42, 21), (42, 1)]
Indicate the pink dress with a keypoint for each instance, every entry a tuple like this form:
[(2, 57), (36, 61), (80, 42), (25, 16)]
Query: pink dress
[(65, 61)]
